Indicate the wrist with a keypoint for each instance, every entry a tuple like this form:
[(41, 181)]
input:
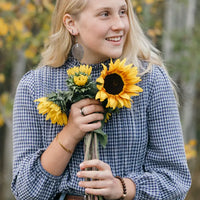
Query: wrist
[(123, 186), (131, 188), (67, 140)]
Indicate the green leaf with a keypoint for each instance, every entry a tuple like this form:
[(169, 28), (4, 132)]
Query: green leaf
[(102, 137)]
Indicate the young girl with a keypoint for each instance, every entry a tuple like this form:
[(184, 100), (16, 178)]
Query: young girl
[(144, 157)]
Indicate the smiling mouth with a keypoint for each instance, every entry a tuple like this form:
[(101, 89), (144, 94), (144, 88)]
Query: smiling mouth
[(114, 39)]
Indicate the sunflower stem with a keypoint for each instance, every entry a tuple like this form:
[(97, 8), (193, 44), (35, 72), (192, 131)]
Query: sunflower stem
[(91, 152), (87, 144)]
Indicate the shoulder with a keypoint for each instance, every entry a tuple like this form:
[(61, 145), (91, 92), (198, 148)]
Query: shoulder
[(44, 80), (156, 76), (154, 73), (156, 83)]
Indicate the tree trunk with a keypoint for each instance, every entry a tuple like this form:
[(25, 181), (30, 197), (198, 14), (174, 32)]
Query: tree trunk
[(180, 17), (190, 88)]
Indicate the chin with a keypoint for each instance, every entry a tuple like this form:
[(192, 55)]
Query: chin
[(116, 55)]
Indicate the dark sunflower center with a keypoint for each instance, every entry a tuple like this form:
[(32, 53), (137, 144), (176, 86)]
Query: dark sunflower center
[(113, 84)]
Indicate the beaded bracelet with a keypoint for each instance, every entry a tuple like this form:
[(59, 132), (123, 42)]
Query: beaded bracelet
[(67, 150), (123, 185)]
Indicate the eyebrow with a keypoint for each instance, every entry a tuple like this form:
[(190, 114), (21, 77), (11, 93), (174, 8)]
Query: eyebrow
[(109, 8)]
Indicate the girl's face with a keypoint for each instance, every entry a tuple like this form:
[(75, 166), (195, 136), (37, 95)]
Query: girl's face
[(102, 29)]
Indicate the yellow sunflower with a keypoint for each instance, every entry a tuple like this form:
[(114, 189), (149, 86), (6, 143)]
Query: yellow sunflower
[(82, 69), (80, 80), (117, 84), (52, 110)]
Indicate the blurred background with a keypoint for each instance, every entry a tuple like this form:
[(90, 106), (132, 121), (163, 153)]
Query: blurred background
[(172, 25)]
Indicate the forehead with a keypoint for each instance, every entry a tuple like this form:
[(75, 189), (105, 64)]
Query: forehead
[(97, 4)]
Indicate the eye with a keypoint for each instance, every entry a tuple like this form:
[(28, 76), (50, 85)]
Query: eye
[(123, 12), (104, 14)]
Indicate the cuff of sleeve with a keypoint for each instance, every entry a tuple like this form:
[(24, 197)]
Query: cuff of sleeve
[(136, 179)]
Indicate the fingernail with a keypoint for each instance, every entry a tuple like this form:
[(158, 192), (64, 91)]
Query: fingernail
[(81, 165), (78, 174), (80, 184)]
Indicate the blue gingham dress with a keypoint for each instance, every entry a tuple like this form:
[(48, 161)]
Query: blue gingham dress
[(145, 143)]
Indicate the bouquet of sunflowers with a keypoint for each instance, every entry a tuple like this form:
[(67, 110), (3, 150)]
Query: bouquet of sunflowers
[(114, 88)]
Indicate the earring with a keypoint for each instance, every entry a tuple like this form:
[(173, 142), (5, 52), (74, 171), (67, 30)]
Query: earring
[(77, 51)]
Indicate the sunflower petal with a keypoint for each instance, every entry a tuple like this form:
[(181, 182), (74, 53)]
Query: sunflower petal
[(125, 96), (112, 102), (100, 80)]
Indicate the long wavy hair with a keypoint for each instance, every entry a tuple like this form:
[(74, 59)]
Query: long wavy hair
[(137, 47)]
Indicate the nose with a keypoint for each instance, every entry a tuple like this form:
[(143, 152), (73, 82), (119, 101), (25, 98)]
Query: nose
[(118, 23)]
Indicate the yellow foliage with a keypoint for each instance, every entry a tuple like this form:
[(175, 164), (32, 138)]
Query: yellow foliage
[(1, 43), (9, 38), (151, 33), (4, 98), (31, 7), (193, 143), (18, 25), (30, 52), (149, 1), (48, 5), (134, 3), (3, 27), (23, 2), (190, 149), (6, 6), (26, 35), (1, 120), (2, 78), (139, 9)]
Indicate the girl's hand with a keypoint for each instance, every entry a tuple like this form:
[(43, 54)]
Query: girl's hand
[(78, 124), (103, 183)]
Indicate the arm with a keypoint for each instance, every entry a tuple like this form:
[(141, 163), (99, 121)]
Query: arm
[(37, 171), (165, 172), (30, 180)]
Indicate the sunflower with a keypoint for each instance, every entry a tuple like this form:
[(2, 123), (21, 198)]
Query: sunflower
[(82, 69), (117, 84), (52, 110), (80, 80)]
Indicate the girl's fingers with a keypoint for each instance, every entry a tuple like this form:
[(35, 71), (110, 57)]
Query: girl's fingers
[(86, 102), (98, 192), (102, 181), (92, 118), (90, 127), (93, 174), (100, 165), (94, 184), (89, 109)]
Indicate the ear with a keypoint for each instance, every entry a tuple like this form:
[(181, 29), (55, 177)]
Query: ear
[(70, 24)]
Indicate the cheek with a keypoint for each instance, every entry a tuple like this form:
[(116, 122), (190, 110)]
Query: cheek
[(93, 30)]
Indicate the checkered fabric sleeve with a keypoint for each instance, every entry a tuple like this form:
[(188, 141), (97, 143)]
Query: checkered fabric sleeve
[(165, 173), (27, 170)]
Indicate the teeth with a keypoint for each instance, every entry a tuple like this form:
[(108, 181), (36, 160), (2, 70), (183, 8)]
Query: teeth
[(115, 39)]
